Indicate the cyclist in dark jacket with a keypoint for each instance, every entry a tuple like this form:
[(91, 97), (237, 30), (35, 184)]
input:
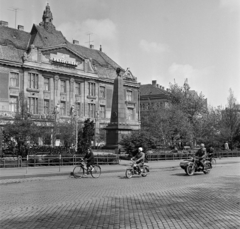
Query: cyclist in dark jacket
[(89, 158)]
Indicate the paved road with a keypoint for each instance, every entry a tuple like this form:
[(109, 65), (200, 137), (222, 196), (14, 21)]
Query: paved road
[(165, 199)]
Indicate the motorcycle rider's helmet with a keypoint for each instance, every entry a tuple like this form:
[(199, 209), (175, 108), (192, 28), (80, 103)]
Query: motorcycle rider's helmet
[(140, 149), (202, 145)]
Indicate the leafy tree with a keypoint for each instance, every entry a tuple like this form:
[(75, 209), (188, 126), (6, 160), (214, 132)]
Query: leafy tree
[(23, 129), (136, 139), (188, 101), (208, 128), (230, 120), (66, 133), (85, 136)]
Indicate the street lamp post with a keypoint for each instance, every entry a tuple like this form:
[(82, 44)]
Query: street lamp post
[(74, 116), (76, 134), (96, 128), (55, 112)]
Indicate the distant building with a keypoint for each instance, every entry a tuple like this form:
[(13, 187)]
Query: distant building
[(56, 76), (153, 96)]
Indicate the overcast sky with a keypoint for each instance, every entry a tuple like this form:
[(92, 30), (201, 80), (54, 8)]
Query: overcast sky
[(158, 40)]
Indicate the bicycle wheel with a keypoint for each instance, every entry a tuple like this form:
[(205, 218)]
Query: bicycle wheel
[(96, 171), (78, 171)]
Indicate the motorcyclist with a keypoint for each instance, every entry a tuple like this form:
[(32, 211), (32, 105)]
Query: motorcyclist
[(201, 155), (139, 157)]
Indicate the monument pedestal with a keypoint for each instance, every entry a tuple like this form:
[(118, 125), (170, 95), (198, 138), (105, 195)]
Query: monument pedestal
[(115, 134)]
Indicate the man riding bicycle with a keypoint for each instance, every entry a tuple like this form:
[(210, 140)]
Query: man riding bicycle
[(89, 158), (139, 157), (201, 154)]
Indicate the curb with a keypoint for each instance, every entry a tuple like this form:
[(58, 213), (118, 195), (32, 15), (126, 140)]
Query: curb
[(25, 176), (68, 173)]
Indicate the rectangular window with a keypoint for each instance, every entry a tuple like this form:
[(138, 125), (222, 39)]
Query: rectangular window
[(102, 92), (63, 108), (78, 88), (91, 89), (102, 111), (33, 105), (33, 80), (129, 96), (46, 106), (91, 110), (78, 109), (14, 79), (63, 86), (130, 114), (13, 104), (46, 84)]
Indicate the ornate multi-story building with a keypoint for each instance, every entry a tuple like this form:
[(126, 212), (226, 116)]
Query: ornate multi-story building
[(56, 75)]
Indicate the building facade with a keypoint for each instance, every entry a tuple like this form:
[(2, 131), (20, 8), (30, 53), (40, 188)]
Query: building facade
[(58, 78), (153, 97)]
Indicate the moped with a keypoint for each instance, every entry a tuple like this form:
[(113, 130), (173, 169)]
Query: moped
[(135, 169)]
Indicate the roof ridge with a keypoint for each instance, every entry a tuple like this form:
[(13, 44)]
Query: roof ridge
[(100, 52), (39, 33), (17, 30)]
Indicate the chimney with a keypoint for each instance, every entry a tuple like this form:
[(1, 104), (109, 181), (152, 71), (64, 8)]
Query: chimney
[(157, 85), (20, 27), (75, 42), (4, 23), (154, 83), (91, 46), (100, 48)]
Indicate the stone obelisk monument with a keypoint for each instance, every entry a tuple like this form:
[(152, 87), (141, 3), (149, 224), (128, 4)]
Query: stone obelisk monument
[(118, 125)]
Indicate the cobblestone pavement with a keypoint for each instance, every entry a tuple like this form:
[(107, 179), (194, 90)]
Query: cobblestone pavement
[(164, 199)]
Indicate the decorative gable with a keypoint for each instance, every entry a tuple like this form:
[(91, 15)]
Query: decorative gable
[(127, 75), (59, 56), (63, 56)]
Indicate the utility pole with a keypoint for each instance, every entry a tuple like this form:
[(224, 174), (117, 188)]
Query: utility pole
[(16, 11)]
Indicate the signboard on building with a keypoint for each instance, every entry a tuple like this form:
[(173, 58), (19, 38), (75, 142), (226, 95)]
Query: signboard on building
[(63, 59)]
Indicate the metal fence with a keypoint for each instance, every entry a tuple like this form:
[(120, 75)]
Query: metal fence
[(43, 160), (185, 155), (58, 160)]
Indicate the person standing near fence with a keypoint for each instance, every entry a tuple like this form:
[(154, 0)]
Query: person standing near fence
[(226, 147)]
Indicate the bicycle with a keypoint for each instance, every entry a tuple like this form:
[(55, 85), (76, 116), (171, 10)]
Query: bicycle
[(81, 170)]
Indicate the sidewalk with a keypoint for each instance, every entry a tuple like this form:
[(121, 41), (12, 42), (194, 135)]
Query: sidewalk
[(45, 171)]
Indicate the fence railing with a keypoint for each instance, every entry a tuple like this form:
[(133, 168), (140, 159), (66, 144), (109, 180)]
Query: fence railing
[(58, 160), (185, 155)]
